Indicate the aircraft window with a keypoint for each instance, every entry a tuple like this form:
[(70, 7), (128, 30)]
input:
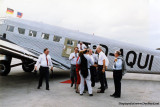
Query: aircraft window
[(57, 38), (32, 33), (94, 46), (21, 31), (10, 28), (70, 42), (45, 36)]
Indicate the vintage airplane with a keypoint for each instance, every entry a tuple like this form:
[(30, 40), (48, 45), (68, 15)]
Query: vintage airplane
[(25, 40)]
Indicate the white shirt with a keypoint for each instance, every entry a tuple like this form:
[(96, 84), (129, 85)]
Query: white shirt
[(107, 61), (73, 60), (101, 57), (95, 57), (43, 61), (83, 47), (89, 60)]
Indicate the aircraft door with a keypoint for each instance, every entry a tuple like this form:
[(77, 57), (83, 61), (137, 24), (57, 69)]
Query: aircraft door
[(69, 45)]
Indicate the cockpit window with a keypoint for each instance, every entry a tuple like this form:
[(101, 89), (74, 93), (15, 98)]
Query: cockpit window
[(45, 36), (21, 31), (57, 38), (10, 28), (32, 33)]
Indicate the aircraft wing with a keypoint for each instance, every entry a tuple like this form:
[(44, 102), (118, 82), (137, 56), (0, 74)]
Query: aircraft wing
[(11, 49)]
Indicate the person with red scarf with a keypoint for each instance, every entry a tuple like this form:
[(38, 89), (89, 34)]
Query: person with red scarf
[(77, 72)]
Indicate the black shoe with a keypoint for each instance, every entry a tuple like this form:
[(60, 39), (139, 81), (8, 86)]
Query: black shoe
[(106, 87), (77, 91), (71, 84), (116, 96), (99, 88), (81, 94), (90, 94), (100, 91), (47, 88), (84, 91), (112, 95), (93, 85), (38, 87)]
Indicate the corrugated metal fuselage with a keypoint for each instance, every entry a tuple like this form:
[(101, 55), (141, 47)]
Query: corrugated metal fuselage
[(138, 59)]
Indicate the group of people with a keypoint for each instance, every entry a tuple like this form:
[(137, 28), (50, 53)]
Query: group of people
[(87, 67)]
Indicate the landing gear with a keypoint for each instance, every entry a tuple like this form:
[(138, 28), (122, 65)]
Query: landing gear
[(5, 66), (27, 66)]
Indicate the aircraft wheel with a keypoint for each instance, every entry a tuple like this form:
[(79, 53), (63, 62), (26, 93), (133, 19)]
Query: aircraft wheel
[(27, 67), (5, 67)]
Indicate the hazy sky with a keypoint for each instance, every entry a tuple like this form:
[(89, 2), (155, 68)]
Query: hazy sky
[(155, 23), (133, 21)]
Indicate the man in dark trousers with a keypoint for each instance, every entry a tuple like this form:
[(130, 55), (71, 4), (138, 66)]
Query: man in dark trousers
[(73, 58), (117, 74), (45, 61), (101, 68), (92, 68)]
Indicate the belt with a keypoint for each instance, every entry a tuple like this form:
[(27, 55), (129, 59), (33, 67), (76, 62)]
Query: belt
[(73, 64), (44, 67), (117, 70)]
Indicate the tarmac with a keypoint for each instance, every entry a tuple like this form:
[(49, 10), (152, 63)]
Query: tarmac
[(19, 89)]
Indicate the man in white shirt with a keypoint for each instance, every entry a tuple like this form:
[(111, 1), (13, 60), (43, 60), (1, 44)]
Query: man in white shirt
[(81, 46), (45, 61), (73, 58), (92, 68), (95, 57), (101, 68)]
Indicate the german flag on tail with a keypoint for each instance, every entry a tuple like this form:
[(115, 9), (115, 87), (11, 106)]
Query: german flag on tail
[(10, 11)]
